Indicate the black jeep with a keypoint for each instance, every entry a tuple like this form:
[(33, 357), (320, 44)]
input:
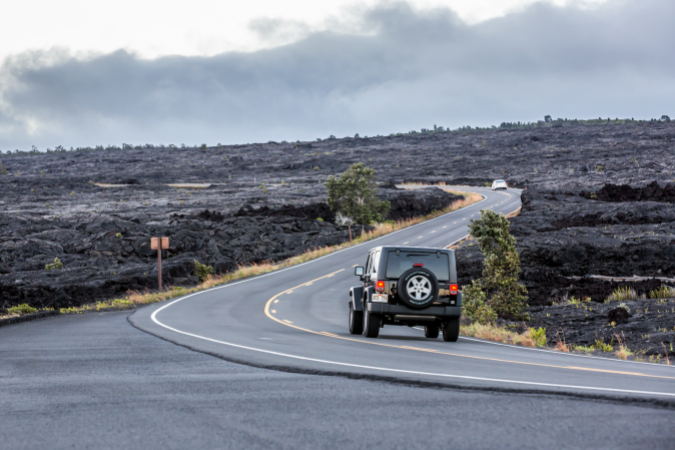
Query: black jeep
[(407, 286)]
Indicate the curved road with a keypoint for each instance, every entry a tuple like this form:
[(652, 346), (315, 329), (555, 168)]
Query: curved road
[(296, 320)]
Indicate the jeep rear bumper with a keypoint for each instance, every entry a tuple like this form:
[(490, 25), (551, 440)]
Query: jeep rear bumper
[(431, 312)]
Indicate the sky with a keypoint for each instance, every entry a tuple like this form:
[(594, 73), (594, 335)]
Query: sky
[(84, 73)]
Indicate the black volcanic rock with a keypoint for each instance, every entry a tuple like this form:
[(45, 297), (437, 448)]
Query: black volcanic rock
[(415, 203), (618, 315), (625, 193)]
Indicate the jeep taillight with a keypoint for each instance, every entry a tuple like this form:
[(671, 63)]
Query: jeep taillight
[(379, 286), (454, 289)]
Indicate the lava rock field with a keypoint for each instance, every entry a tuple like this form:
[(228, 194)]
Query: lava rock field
[(597, 208)]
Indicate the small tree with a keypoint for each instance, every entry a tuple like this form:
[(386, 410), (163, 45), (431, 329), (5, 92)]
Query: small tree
[(3, 171), (501, 264), (352, 195)]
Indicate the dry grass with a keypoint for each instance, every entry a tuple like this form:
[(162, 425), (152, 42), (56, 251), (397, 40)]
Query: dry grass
[(514, 213), (133, 299), (623, 352), (562, 347), (498, 334), (665, 351)]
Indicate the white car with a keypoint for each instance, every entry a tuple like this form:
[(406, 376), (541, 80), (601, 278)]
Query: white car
[(499, 184)]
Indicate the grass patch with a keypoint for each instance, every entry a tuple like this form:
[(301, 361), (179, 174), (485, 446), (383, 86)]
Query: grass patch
[(21, 310), (134, 299), (583, 349), (663, 292), (531, 337), (603, 347), (621, 294)]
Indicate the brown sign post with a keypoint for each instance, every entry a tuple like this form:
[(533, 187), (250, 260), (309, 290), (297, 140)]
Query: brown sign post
[(159, 244)]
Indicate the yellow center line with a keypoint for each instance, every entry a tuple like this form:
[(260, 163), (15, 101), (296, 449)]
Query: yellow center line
[(405, 242), (326, 334), (434, 231)]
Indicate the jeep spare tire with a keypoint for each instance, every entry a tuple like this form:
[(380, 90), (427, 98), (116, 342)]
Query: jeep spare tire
[(418, 288)]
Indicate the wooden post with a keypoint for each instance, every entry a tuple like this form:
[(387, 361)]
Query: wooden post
[(159, 244)]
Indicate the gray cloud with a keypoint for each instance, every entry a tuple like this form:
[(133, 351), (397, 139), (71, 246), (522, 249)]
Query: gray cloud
[(405, 70)]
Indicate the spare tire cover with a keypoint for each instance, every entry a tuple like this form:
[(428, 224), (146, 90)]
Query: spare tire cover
[(418, 288)]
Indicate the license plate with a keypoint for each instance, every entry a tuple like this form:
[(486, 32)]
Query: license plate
[(379, 298)]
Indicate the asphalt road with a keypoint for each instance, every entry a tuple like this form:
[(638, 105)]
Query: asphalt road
[(94, 381), (296, 319)]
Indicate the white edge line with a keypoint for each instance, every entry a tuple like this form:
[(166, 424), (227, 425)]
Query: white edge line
[(554, 352), (385, 369)]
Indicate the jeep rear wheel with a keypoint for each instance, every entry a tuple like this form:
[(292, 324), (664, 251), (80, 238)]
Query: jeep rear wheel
[(355, 320), (451, 330), (371, 324)]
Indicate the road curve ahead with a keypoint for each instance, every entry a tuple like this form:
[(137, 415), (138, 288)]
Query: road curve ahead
[(296, 320)]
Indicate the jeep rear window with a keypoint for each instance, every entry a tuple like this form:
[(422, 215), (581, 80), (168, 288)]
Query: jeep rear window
[(396, 265)]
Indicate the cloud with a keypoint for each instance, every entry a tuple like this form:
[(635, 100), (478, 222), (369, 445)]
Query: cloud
[(400, 69)]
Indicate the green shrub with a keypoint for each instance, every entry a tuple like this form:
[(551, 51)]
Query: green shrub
[(22, 309), (538, 335), (57, 264), (202, 271), (320, 219), (118, 235), (474, 306), (3, 171)]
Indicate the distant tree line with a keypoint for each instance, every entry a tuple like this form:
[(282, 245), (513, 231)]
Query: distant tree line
[(547, 122)]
